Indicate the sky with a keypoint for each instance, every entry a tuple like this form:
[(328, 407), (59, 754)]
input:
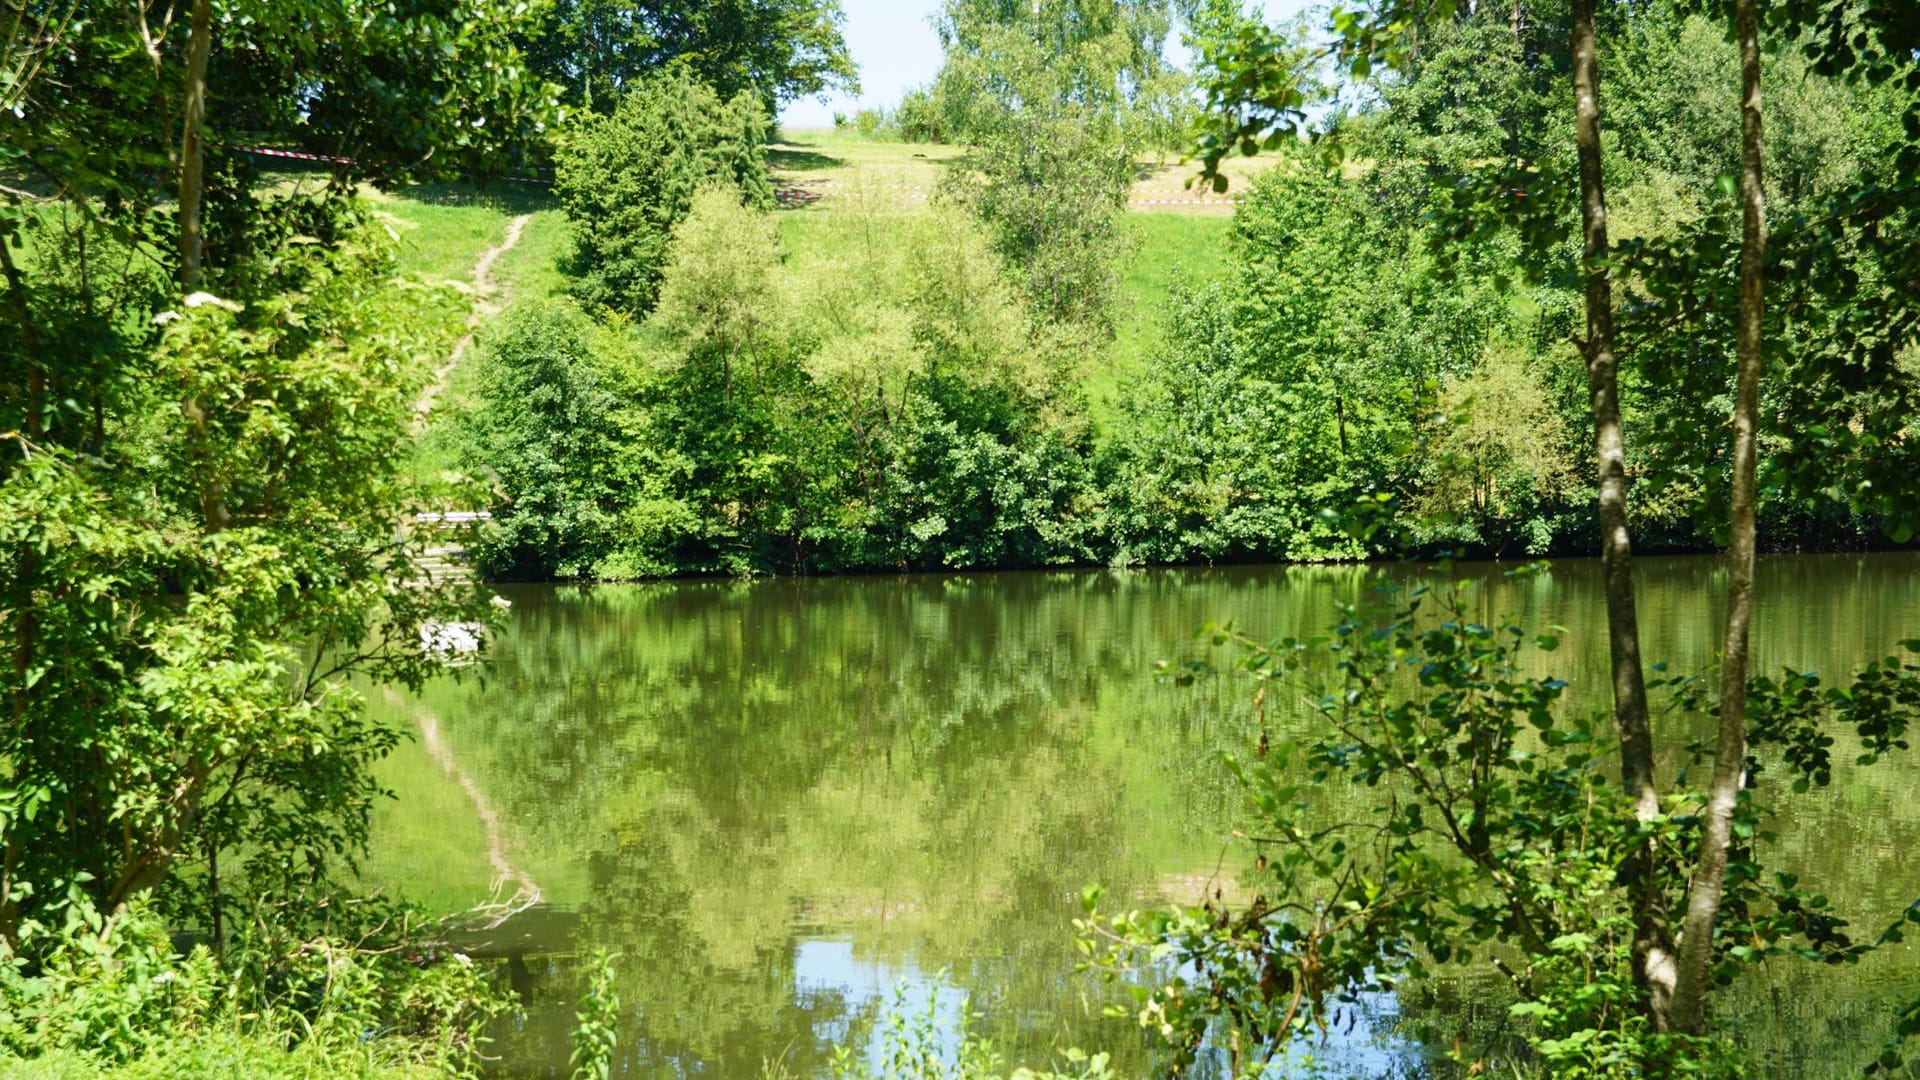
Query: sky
[(894, 44)]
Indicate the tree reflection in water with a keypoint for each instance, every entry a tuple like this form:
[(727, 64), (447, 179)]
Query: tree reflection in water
[(776, 800)]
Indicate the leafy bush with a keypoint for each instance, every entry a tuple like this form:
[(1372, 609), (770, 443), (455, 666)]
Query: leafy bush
[(195, 601), (919, 118), (916, 119), (1050, 187), (1498, 454), (596, 1031), (1340, 362), (874, 123), (626, 179), (960, 494), (553, 437), (1492, 828), (1218, 460), (110, 997)]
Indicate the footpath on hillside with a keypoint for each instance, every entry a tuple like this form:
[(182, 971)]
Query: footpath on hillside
[(489, 301)]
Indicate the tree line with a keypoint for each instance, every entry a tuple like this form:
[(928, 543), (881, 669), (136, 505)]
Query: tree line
[(1370, 341)]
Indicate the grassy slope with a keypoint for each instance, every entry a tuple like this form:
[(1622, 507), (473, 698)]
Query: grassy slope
[(442, 231), (1171, 249), (836, 159), (444, 228)]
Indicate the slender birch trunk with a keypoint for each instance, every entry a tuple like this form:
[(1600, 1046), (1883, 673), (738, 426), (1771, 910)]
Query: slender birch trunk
[(192, 149), (193, 190), (1652, 953), (1729, 763)]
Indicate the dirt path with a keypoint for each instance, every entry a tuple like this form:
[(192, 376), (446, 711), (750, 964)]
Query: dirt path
[(488, 302)]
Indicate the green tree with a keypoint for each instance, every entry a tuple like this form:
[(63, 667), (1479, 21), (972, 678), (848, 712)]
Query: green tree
[(127, 138), (1056, 101), (1500, 450), (732, 397), (880, 399), (205, 388), (551, 436), (626, 179), (1106, 58), (775, 50), (1051, 188), (418, 91), (1303, 382), (176, 690)]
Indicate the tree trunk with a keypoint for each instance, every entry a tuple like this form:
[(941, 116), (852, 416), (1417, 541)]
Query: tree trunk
[(1730, 756), (1652, 953), (26, 629), (192, 148), (36, 375), (193, 186)]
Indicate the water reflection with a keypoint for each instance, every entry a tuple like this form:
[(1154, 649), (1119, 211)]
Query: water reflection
[(777, 799)]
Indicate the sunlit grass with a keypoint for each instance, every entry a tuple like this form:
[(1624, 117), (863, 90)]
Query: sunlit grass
[(444, 228), (827, 161), (837, 157), (1170, 250), (531, 271)]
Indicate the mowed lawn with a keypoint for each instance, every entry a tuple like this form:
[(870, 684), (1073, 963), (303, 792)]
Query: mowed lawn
[(813, 169)]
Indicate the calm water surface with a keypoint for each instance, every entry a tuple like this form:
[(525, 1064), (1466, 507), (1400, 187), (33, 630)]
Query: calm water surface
[(780, 801)]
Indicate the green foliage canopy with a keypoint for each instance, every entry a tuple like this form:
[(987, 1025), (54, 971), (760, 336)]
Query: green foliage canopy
[(176, 689), (626, 179), (885, 403), (774, 50)]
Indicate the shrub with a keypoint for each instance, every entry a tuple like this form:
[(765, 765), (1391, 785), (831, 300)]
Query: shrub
[(550, 433), (110, 997), (1498, 452), (873, 123), (919, 118), (1050, 187)]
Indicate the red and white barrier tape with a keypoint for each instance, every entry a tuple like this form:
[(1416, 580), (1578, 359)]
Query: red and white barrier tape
[(295, 154)]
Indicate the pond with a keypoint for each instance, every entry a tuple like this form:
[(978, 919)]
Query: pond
[(779, 801)]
